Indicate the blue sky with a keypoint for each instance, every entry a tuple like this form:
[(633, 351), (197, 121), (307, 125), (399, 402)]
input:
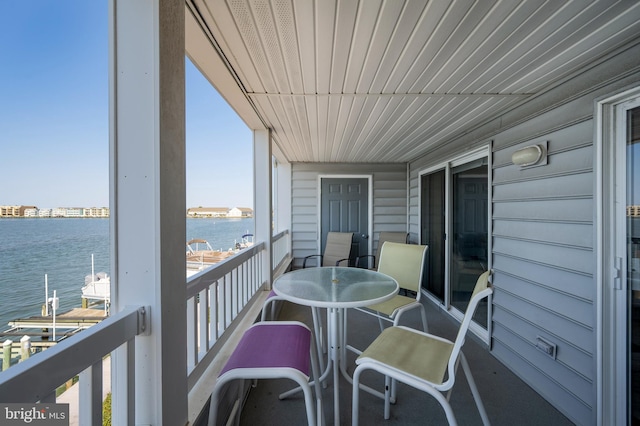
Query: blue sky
[(54, 140)]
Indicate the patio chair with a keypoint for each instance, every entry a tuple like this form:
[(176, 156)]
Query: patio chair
[(272, 350), (336, 251), (395, 237), (421, 360), (404, 263)]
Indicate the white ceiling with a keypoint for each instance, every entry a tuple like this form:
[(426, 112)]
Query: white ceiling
[(385, 80)]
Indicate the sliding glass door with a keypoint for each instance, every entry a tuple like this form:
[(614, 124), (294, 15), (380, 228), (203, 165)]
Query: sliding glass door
[(433, 231), (469, 227), (454, 212), (629, 127)]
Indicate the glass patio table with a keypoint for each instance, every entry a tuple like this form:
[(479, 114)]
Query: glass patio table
[(335, 288)]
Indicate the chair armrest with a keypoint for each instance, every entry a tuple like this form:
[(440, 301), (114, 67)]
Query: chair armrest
[(342, 260), (304, 261), (373, 259)]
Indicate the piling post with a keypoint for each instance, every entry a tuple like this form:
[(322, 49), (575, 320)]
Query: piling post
[(25, 348), (6, 354)]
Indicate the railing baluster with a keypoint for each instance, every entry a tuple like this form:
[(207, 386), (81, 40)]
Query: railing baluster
[(215, 311), (191, 335), (90, 395), (202, 325), (131, 382)]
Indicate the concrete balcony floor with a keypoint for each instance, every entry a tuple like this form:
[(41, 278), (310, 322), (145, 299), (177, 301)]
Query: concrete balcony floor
[(507, 399)]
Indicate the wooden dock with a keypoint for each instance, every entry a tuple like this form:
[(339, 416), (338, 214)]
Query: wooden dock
[(69, 322)]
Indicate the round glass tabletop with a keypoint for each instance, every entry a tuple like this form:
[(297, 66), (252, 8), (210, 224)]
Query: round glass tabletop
[(335, 287)]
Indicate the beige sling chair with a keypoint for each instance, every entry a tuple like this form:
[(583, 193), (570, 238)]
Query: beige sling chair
[(421, 360)]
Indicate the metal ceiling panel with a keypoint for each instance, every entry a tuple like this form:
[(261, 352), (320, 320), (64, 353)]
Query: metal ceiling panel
[(391, 80)]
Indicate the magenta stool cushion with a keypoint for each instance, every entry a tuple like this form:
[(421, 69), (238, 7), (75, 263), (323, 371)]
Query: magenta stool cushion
[(272, 345)]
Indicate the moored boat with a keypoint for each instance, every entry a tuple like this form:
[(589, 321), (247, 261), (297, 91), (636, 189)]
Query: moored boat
[(96, 289), (200, 255)]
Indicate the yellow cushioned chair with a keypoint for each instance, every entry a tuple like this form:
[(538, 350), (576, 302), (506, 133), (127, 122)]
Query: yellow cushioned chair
[(421, 360), (405, 264)]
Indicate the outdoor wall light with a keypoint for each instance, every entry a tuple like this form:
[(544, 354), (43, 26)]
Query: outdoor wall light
[(534, 155)]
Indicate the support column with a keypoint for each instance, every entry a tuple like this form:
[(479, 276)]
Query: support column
[(148, 205), (262, 197)]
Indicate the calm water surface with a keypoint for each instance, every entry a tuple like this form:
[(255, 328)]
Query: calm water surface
[(62, 248)]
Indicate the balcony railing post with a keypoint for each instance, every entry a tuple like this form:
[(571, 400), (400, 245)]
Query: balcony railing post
[(25, 348), (6, 354)]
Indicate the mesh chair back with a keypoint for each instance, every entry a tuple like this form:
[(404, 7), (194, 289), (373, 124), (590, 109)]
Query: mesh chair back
[(338, 247), (404, 263)]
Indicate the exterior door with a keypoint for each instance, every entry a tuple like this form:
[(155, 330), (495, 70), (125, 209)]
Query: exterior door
[(345, 208)]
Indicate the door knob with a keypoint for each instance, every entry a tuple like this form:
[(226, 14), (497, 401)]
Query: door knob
[(364, 236)]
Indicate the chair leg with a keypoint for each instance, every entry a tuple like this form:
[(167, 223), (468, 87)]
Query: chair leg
[(387, 396), (448, 411), (213, 404), (355, 397), (269, 306), (440, 398), (317, 330), (263, 316), (392, 397), (474, 390), (317, 371), (425, 326), (239, 400)]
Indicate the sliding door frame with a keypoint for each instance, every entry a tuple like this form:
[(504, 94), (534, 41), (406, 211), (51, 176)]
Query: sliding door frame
[(482, 152)]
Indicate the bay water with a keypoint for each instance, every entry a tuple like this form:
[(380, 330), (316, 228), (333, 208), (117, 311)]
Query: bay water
[(61, 248)]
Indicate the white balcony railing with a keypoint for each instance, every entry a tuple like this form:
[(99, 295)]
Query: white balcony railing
[(215, 297), (37, 378), (280, 250)]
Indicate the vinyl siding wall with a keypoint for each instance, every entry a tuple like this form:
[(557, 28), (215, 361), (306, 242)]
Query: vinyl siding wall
[(543, 233), (543, 262), (389, 200)]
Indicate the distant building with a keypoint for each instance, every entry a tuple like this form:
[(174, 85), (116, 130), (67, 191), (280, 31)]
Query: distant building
[(73, 212), (14, 211), (96, 212), (221, 212), (33, 211), (58, 212), (244, 211)]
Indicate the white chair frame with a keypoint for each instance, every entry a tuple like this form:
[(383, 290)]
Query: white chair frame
[(456, 356)]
